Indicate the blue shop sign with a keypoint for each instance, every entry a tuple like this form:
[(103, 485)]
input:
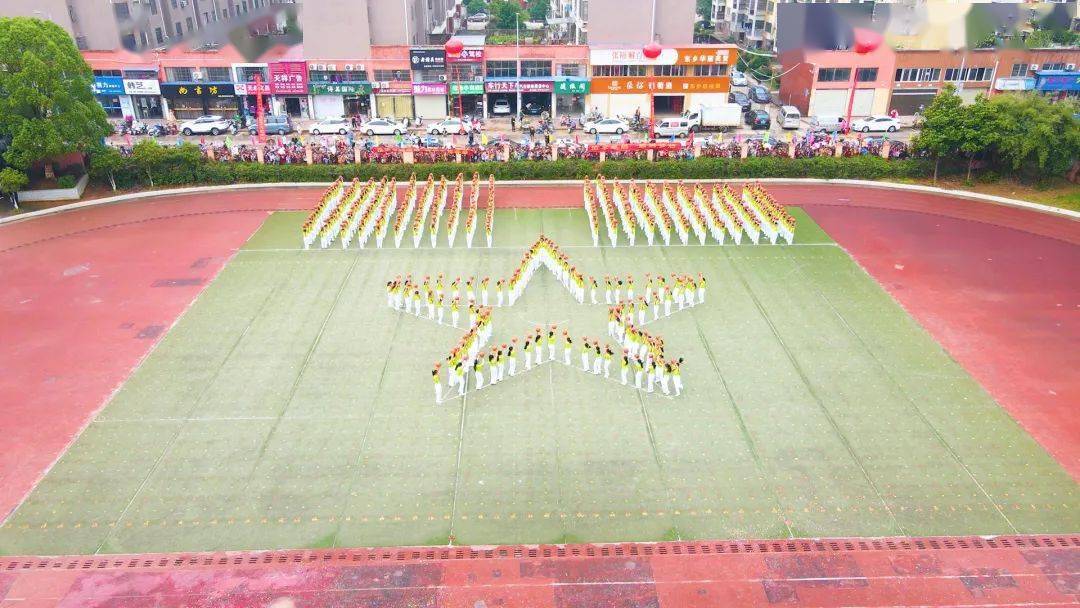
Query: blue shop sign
[(108, 85), (1057, 80)]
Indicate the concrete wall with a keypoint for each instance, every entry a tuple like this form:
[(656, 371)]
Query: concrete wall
[(337, 29), (53, 10), (629, 22)]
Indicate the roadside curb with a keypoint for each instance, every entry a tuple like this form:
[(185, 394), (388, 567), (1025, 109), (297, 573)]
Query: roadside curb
[(961, 194)]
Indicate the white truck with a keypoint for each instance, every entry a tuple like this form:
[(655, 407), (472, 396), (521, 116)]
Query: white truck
[(721, 117)]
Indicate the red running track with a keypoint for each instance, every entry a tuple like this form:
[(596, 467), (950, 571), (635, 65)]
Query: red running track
[(85, 295)]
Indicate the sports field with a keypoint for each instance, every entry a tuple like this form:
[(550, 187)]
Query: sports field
[(289, 407)]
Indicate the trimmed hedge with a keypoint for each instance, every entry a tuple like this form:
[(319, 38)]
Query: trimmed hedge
[(176, 167)]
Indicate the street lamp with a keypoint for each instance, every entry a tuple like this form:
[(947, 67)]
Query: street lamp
[(652, 51)]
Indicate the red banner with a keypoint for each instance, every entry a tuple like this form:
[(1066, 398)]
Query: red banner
[(289, 78)]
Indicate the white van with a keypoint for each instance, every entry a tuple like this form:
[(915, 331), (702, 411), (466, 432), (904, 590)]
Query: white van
[(826, 123), (679, 127), (789, 117)]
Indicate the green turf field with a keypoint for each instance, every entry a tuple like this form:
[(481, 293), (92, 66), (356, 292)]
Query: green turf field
[(289, 408)]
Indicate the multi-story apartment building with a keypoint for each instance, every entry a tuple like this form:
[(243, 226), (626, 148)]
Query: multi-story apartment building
[(637, 22)]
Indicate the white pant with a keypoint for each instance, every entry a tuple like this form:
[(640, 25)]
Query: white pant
[(584, 362)]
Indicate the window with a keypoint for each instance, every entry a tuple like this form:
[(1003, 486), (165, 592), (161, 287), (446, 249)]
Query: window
[(179, 29), (338, 76), (153, 7), (145, 39), (244, 5), (190, 25), (224, 13), (866, 74), (247, 73), (918, 74), (670, 70), (569, 69), (174, 4), (1019, 69), (205, 17), (1053, 66), (388, 75), (618, 70), (116, 73), (111, 103), (122, 11), (216, 75), (159, 35), (501, 69), (716, 69), (834, 74), (969, 74), (535, 69), (178, 74)]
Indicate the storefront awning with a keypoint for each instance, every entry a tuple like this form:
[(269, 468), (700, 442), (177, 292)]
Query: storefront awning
[(1057, 80)]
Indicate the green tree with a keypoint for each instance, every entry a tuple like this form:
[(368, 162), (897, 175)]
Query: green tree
[(476, 6), (46, 104), (11, 181), (979, 135), (105, 161), (1033, 135), (148, 155), (704, 9), (505, 13), (538, 10), (944, 128), (1039, 39)]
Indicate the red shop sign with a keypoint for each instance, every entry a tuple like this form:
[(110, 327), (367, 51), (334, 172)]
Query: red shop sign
[(289, 78)]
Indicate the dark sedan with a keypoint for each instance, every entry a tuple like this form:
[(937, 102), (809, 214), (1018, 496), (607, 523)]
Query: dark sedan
[(760, 94), (739, 98), (758, 119)]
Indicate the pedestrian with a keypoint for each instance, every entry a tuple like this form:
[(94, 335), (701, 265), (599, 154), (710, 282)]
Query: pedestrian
[(513, 124), (438, 384)]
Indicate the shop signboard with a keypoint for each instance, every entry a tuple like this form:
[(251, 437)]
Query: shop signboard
[(708, 55), (466, 88), (661, 85), (572, 87), (470, 54), (142, 87), (108, 85), (288, 78), (1069, 81), (429, 88), (347, 89), (427, 58), (198, 90), (392, 87), (251, 88)]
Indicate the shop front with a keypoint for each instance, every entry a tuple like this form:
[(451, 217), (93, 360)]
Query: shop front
[(393, 99), (345, 99), (467, 98), (249, 93), (534, 96), (625, 82), (188, 100), (289, 86), (145, 96), (108, 91), (429, 99), (1058, 84), (570, 95)]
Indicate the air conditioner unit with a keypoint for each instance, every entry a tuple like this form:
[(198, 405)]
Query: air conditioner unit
[(183, 3), (1034, 67), (442, 77), (1070, 66), (196, 75)]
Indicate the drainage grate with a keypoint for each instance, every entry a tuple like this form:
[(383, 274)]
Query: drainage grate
[(423, 554)]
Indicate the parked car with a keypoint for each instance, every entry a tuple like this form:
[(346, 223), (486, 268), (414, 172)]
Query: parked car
[(679, 127), (758, 119), (875, 124), (607, 125), (738, 79), (741, 99), (759, 94), (501, 106), (449, 127), (279, 124), (789, 117), (339, 125), (826, 123), (532, 109), (382, 126), (203, 125)]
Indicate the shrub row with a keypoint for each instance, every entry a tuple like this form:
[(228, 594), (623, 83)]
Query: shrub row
[(179, 169)]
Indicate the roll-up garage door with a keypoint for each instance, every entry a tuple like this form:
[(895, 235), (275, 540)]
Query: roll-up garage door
[(907, 102), (431, 107), (864, 102), (829, 102)]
